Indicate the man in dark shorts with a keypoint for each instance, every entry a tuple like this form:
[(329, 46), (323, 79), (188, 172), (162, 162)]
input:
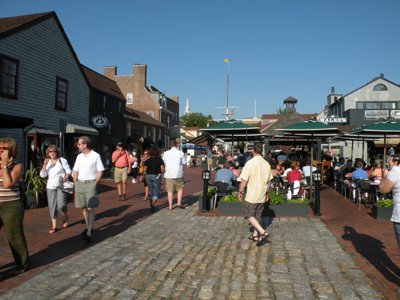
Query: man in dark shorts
[(256, 176)]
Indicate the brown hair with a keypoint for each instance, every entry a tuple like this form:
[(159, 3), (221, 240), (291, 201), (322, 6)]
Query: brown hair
[(154, 152), (51, 147), (12, 146), (173, 143), (86, 140), (258, 148)]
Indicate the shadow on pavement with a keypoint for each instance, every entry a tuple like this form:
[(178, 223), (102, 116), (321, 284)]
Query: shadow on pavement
[(373, 250)]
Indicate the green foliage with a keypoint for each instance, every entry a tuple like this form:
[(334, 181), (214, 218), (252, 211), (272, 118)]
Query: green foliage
[(232, 198), (298, 201), (210, 192), (384, 203), (280, 198), (276, 198), (35, 185), (195, 120)]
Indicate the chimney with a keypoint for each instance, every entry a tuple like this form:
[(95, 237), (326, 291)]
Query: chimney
[(382, 75), (175, 98), (332, 90), (139, 76), (110, 72)]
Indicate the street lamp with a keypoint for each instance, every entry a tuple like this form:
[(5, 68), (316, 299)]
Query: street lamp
[(206, 177), (317, 200)]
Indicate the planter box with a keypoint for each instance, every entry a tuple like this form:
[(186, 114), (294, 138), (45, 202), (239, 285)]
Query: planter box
[(382, 213), (230, 209), (286, 210)]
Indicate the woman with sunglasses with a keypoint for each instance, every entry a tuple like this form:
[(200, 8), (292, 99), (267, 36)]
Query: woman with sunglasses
[(143, 158), (11, 209), (392, 183), (57, 170)]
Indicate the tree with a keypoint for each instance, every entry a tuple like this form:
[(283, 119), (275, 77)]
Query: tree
[(195, 120)]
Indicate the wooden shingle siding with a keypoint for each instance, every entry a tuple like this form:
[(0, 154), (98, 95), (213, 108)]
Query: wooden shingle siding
[(43, 54)]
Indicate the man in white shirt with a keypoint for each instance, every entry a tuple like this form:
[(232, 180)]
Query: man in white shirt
[(87, 173), (174, 160)]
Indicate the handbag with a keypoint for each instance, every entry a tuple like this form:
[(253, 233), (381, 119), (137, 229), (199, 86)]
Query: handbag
[(142, 178), (66, 186)]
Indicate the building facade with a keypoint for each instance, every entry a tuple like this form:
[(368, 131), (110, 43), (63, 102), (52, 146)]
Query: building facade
[(377, 100), (148, 99), (44, 97)]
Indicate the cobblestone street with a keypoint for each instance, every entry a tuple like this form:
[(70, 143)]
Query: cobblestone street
[(175, 254)]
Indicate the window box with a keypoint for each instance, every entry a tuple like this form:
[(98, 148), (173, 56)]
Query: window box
[(382, 213)]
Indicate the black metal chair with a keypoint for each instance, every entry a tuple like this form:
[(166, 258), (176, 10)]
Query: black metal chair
[(221, 189)]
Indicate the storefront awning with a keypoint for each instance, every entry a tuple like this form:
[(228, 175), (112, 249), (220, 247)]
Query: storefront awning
[(37, 130), (73, 128)]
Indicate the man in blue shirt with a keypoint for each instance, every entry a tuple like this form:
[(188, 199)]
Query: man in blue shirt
[(359, 173), (225, 175)]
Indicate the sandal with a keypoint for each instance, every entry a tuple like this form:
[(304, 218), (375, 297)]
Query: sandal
[(52, 230), (262, 238), (253, 238), (65, 222)]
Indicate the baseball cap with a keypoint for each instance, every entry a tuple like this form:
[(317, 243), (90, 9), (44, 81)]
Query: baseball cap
[(119, 144)]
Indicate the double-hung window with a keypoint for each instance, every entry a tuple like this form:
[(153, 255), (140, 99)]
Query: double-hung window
[(61, 94), (8, 77)]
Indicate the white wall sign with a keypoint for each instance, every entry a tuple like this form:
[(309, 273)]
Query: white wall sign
[(376, 114)]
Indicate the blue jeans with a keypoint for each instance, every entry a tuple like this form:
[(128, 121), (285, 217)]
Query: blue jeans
[(396, 227), (154, 184)]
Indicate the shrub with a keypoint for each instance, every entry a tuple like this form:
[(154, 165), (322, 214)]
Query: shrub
[(232, 198), (384, 203)]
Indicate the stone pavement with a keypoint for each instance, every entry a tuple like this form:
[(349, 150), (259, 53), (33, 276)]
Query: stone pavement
[(178, 255)]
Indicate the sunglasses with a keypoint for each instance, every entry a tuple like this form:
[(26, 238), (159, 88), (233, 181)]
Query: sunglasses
[(3, 148)]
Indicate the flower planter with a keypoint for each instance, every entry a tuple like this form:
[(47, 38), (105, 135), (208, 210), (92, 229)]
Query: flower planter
[(285, 210), (382, 213)]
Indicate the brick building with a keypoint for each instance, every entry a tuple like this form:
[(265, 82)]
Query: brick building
[(148, 99)]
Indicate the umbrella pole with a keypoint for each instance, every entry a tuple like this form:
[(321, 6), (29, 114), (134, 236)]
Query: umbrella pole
[(384, 149), (363, 150), (311, 165), (352, 145)]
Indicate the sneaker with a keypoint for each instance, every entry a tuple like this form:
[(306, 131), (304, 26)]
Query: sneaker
[(134, 180), (121, 198), (124, 197)]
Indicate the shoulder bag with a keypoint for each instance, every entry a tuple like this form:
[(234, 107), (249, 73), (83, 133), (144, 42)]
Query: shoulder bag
[(66, 186)]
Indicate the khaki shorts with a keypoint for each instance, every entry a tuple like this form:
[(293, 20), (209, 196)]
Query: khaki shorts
[(86, 195), (120, 174), (176, 183)]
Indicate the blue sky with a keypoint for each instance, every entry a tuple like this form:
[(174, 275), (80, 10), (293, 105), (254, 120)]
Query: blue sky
[(277, 49)]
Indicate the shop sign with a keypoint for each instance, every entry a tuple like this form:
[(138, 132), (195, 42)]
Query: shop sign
[(376, 114), (99, 121), (330, 120), (395, 114)]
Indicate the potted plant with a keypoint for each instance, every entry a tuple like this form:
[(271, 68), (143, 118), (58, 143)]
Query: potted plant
[(279, 206), (230, 205), (382, 209), (35, 188)]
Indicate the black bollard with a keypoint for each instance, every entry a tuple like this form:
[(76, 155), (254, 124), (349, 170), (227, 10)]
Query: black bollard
[(317, 195), (206, 178)]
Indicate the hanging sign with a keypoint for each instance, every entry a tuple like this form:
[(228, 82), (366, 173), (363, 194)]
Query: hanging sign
[(99, 121)]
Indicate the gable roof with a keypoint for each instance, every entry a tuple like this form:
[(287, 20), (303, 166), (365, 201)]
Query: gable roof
[(102, 83), (375, 79), (142, 117), (12, 25)]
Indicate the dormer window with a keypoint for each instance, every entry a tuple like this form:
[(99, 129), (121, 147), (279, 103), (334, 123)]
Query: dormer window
[(380, 87)]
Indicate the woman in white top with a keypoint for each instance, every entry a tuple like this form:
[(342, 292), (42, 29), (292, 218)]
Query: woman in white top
[(57, 170), (392, 183)]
